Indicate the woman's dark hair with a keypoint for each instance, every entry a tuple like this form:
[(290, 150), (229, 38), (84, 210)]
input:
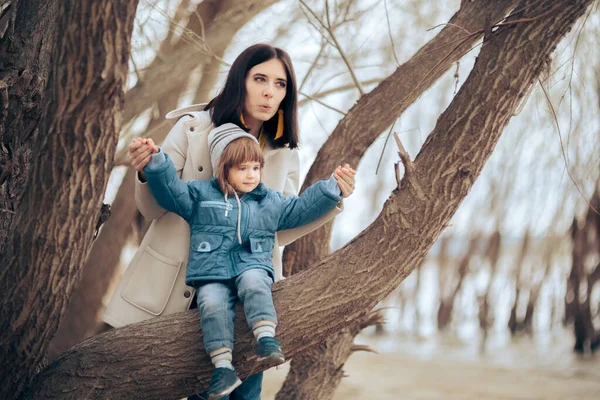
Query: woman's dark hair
[(229, 104)]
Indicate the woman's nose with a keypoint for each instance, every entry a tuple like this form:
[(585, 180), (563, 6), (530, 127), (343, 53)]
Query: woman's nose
[(268, 93)]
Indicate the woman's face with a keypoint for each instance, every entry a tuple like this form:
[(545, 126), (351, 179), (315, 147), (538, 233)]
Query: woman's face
[(265, 89)]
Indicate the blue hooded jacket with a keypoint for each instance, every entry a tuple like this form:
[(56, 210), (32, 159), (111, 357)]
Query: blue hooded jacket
[(230, 236)]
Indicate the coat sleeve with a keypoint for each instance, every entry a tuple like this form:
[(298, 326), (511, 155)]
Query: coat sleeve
[(292, 184), (170, 192), (315, 202), (176, 145)]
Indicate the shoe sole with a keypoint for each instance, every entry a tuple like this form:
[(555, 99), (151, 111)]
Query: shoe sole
[(225, 392), (275, 359)]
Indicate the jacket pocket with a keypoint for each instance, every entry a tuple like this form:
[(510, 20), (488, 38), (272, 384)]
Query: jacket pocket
[(205, 260), (206, 242), (260, 252), (151, 282)]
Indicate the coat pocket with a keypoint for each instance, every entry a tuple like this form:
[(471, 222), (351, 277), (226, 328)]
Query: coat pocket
[(206, 242), (261, 251), (151, 282), (205, 259)]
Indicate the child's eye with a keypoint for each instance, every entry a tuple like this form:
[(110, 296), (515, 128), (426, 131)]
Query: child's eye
[(257, 168)]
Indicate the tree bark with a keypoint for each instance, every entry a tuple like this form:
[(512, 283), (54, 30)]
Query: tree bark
[(55, 222), (24, 64), (83, 313), (306, 381), (163, 356)]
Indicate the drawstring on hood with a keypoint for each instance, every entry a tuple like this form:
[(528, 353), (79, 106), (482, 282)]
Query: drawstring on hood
[(239, 218)]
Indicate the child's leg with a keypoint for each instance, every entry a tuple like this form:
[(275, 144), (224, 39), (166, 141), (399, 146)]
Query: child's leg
[(254, 291), (216, 304)]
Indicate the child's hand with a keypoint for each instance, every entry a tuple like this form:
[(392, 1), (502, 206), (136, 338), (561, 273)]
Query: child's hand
[(345, 179), (140, 151)]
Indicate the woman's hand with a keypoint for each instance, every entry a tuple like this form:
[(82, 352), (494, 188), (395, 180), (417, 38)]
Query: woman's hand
[(345, 179), (140, 150)]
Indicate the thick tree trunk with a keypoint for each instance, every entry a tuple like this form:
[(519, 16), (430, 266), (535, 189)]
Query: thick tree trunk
[(24, 65), (73, 154), (163, 356), (306, 382), (83, 313)]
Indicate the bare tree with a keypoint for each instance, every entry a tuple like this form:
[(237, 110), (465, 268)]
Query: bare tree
[(585, 273)]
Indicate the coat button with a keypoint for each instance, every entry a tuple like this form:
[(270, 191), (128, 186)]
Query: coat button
[(200, 168), (202, 245), (187, 294), (191, 129)]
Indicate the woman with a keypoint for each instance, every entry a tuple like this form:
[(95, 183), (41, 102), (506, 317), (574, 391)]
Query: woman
[(259, 94)]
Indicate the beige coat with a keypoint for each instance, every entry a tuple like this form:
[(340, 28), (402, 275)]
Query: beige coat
[(154, 282)]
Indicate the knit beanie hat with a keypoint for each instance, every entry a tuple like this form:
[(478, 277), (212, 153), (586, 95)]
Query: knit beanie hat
[(220, 137)]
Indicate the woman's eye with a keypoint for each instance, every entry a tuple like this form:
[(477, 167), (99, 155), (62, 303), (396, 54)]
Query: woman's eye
[(259, 79), (281, 84)]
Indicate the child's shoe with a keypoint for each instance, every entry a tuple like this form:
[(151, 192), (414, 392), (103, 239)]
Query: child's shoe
[(223, 381), (268, 349)]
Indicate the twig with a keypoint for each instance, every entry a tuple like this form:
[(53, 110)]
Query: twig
[(337, 45), (555, 118), (323, 104), (387, 138), (362, 347), (387, 17), (409, 169), (342, 88), (312, 67), (7, 211)]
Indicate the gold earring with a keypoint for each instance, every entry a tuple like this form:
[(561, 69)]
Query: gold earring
[(243, 122), (279, 132)]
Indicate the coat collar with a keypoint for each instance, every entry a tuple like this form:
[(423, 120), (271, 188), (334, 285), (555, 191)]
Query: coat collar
[(259, 192)]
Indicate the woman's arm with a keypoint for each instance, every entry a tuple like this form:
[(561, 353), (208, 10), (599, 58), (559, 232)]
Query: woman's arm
[(176, 145)]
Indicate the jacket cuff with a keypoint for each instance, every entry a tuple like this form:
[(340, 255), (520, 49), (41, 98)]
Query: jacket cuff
[(156, 160), (332, 189)]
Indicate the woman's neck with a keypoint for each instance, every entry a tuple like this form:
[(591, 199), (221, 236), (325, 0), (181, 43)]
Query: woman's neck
[(253, 124)]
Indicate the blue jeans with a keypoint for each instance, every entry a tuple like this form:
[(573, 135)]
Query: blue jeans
[(216, 304)]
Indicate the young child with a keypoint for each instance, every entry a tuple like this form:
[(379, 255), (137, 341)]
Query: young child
[(233, 220)]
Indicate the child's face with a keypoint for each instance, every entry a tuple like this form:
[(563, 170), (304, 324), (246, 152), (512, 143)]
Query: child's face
[(244, 177)]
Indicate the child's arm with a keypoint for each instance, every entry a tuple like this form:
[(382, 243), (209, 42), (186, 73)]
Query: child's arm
[(170, 192), (314, 202)]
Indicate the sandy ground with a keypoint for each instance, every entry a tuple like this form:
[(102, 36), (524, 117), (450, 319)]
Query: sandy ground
[(400, 376)]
